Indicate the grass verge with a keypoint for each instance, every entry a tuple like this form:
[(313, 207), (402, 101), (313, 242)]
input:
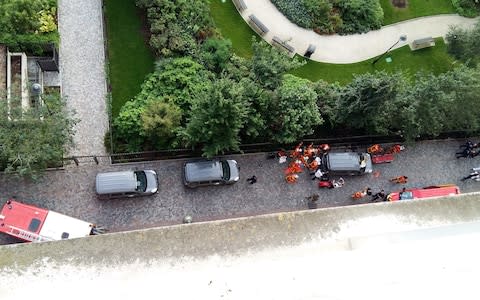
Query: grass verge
[(434, 59), (231, 25), (130, 58), (415, 9)]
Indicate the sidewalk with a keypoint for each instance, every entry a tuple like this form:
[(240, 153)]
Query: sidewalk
[(349, 48)]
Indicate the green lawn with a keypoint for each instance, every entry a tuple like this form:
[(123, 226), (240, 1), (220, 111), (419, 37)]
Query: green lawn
[(435, 59), (130, 58), (415, 9), (232, 26)]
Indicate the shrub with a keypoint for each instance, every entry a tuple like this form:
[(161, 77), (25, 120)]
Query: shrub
[(333, 16), (360, 15), (467, 8), (464, 44), (177, 27), (296, 11), (28, 25)]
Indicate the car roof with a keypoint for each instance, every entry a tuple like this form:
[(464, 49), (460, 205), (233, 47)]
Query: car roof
[(116, 182), (344, 161), (205, 170)]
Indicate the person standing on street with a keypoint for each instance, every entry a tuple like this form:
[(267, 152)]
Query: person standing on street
[(252, 179), (380, 195)]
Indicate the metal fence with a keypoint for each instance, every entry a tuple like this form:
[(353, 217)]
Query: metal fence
[(352, 143), (341, 142)]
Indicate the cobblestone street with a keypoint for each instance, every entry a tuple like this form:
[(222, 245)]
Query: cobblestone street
[(71, 191)]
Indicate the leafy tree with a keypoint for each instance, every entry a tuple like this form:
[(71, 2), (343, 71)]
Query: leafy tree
[(467, 8), (35, 138), (464, 44), (295, 111), (368, 102), (216, 54), (161, 120), (440, 103), (328, 95), (424, 109), (181, 78), (177, 26), (360, 15), (27, 25), (259, 105), (178, 80), (217, 117), (324, 18), (269, 64), (462, 88), (25, 16)]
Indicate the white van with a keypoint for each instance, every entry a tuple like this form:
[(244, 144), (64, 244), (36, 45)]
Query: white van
[(126, 184)]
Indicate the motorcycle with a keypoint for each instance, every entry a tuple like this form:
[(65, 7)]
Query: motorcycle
[(474, 175)]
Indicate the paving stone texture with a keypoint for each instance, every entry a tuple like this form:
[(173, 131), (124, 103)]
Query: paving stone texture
[(71, 191)]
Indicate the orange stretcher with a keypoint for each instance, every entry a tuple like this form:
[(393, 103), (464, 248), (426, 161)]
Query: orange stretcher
[(382, 158)]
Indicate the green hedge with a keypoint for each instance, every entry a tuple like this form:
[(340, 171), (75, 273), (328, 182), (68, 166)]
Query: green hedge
[(295, 11), (467, 8), (33, 44)]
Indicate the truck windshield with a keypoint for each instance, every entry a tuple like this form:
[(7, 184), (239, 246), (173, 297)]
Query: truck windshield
[(226, 170), (141, 181)]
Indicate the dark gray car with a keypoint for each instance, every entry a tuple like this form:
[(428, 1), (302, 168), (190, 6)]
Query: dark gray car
[(210, 172), (349, 163)]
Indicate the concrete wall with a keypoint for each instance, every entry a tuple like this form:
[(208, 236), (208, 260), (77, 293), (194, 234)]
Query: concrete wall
[(240, 236)]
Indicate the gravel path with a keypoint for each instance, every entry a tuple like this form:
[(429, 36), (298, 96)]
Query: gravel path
[(82, 68), (72, 191)]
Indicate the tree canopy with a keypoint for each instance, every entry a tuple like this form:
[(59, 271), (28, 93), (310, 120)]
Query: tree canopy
[(218, 114), (464, 44), (295, 112), (32, 139)]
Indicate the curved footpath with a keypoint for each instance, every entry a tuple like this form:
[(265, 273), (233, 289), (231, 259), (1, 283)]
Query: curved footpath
[(350, 48)]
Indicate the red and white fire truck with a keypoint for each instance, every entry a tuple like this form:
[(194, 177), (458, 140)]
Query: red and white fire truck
[(426, 192), (33, 224)]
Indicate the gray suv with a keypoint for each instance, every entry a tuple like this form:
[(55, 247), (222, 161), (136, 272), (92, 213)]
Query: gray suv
[(210, 172), (349, 163), (126, 184)]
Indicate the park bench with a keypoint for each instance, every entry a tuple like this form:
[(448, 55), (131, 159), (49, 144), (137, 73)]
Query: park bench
[(240, 5), (282, 45), (422, 43), (258, 26)]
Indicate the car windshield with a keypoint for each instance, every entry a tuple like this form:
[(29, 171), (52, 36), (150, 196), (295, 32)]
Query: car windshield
[(141, 181), (226, 170)]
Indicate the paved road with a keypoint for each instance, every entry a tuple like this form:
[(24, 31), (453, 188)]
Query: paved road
[(349, 48), (71, 191)]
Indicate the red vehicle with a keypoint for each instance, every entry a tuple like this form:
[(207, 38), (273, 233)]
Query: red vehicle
[(426, 192), (33, 224), (382, 158)]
